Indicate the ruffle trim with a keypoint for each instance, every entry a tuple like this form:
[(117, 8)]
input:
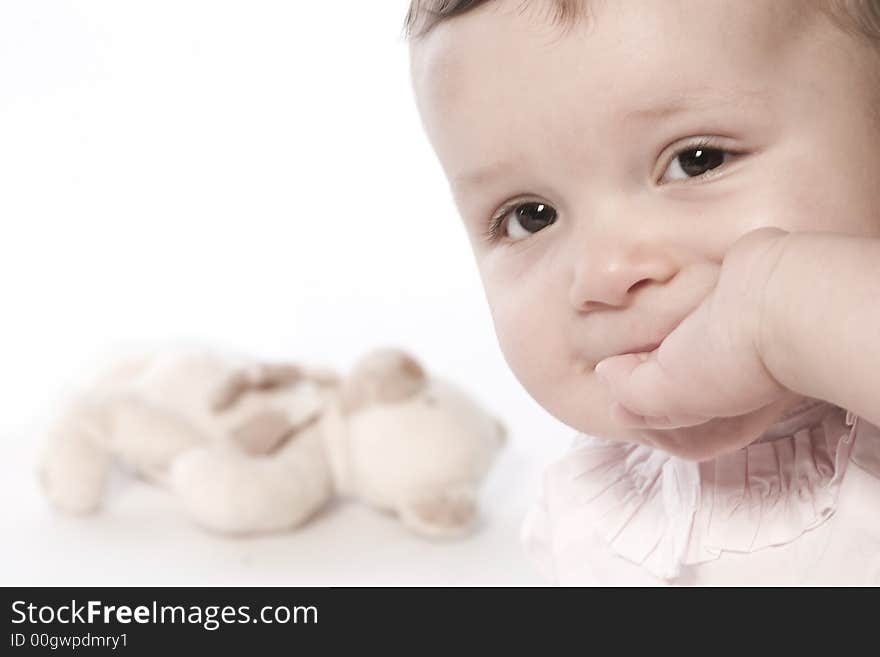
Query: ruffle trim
[(662, 512)]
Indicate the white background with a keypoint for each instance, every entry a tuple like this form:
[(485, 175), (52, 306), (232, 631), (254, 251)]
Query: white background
[(251, 175)]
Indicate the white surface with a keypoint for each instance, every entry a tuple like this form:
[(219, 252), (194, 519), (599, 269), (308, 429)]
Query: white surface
[(251, 175), (142, 537)]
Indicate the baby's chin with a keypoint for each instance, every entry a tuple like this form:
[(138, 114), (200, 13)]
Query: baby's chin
[(718, 436)]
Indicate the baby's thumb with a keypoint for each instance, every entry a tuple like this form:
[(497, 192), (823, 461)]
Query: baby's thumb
[(636, 381)]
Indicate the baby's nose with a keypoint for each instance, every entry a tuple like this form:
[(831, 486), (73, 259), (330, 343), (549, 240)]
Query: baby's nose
[(610, 276)]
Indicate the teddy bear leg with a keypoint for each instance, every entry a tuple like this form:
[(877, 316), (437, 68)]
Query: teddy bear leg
[(446, 513), (74, 466), (96, 429), (227, 491)]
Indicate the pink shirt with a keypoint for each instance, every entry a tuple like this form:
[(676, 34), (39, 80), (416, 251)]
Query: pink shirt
[(800, 506)]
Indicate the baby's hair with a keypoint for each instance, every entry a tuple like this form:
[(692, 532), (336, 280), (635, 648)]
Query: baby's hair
[(424, 15), (860, 17)]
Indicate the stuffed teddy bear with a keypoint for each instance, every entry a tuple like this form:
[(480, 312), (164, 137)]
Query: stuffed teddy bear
[(258, 447)]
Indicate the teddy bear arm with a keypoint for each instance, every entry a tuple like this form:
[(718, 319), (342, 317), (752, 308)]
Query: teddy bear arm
[(228, 491)]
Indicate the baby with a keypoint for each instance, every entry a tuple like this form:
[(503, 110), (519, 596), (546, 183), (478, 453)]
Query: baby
[(675, 211)]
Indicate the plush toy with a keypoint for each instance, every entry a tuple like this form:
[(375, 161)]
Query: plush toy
[(259, 447)]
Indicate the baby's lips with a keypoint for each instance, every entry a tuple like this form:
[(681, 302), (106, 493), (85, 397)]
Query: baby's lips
[(638, 349)]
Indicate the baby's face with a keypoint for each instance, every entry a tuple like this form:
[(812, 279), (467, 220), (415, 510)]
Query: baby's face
[(615, 163)]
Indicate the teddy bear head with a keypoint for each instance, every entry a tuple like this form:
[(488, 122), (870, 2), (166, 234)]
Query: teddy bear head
[(413, 444), (396, 438)]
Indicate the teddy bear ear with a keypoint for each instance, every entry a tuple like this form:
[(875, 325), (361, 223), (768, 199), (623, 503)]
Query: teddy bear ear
[(262, 433), (266, 377), (267, 431), (259, 376), (382, 376)]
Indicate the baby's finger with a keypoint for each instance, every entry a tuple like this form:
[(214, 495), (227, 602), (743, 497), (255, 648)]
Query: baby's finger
[(639, 383), (634, 421)]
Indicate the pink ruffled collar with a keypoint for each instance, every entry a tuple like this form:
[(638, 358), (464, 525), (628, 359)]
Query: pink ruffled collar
[(663, 513)]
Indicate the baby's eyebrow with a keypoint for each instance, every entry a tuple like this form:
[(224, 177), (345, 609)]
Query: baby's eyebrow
[(684, 102), (483, 175), (694, 102)]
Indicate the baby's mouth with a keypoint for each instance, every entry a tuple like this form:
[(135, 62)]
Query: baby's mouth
[(646, 349)]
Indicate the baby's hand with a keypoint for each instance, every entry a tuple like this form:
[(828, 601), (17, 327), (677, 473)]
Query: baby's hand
[(710, 366)]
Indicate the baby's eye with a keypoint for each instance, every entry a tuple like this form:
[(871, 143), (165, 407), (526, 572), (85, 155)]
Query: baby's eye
[(695, 161), (522, 220)]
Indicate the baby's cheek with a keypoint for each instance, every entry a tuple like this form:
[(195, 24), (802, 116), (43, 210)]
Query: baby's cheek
[(530, 340), (525, 341), (535, 348), (800, 192)]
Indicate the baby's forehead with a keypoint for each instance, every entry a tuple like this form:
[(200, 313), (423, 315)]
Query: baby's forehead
[(498, 70), (505, 41)]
